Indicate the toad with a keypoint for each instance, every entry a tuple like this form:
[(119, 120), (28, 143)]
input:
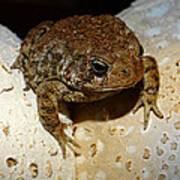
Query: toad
[(84, 59)]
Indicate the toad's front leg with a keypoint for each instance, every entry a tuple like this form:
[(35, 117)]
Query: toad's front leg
[(149, 94), (48, 108)]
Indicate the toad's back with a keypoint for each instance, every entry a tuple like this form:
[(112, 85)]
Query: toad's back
[(63, 50)]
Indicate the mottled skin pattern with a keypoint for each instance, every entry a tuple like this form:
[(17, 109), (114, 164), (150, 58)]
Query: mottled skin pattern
[(84, 59)]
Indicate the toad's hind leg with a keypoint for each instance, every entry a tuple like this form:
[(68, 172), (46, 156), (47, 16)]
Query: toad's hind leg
[(48, 108), (149, 94)]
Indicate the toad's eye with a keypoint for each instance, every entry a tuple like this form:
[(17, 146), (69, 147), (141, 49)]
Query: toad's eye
[(98, 66)]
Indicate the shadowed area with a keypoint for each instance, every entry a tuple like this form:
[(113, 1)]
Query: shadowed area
[(107, 109)]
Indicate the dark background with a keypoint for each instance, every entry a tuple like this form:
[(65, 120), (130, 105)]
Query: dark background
[(21, 15)]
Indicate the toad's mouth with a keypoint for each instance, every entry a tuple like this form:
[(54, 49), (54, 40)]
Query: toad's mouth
[(109, 89)]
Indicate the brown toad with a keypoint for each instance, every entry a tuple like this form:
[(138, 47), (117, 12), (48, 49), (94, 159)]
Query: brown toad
[(84, 59)]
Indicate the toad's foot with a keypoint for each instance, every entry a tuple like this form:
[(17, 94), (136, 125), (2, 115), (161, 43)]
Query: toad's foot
[(149, 94), (48, 107), (149, 104), (63, 139)]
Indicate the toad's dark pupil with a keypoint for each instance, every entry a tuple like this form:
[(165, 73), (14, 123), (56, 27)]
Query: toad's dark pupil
[(98, 66)]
